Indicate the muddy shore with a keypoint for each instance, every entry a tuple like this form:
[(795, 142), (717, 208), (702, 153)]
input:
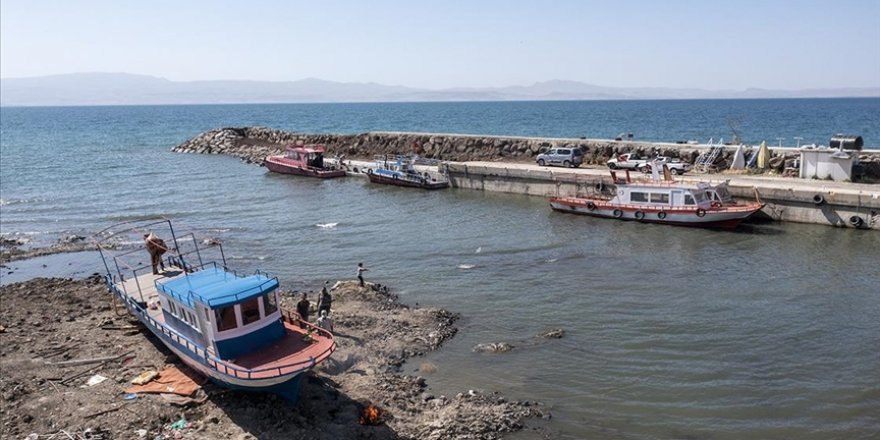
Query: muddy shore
[(50, 321)]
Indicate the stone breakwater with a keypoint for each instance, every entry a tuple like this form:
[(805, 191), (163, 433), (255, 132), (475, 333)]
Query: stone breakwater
[(253, 144)]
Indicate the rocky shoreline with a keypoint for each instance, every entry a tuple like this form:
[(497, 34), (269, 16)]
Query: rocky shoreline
[(18, 249), (47, 325), (253, 144)]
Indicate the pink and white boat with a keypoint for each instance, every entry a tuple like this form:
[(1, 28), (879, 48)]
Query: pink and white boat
[(306, 160), (666, 202)]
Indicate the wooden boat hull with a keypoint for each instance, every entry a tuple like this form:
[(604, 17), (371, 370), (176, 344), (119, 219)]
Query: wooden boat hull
[(425, 184), (283, 381), (723, 217), (279, 164)]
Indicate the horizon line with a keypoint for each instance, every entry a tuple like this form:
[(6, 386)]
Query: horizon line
[(193, 104), (536, 82)]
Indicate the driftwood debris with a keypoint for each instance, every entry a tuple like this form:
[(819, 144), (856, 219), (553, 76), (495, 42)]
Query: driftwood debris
[(74, 362)]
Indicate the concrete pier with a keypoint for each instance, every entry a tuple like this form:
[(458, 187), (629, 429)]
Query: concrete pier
[(506, 164)]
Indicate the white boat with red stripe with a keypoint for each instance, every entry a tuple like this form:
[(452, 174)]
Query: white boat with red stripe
[(673, 203)]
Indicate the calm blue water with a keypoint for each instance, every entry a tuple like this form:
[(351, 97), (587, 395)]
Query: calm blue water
[(769, 332)]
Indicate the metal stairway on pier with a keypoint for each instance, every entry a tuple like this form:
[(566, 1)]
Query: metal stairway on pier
[(706, 160)]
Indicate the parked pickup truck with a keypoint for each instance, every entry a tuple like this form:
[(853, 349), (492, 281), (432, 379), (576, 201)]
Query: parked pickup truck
[(629, 161), (676, 166)]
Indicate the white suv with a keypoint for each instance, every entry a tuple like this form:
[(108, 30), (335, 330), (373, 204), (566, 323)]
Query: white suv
[(566, 157)]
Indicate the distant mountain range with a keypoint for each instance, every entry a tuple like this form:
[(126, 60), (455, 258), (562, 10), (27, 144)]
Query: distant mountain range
[(129, 89)]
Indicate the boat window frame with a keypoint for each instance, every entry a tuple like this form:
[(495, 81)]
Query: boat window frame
[(255, 302), (689, 197), (269, 300), (632, 195), (220, 320), (664, 197)]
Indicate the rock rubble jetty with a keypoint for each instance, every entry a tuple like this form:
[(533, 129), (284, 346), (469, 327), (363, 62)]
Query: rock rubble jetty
[(253, 144)]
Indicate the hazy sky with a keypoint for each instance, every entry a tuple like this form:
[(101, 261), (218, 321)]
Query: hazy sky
[(711, 44)]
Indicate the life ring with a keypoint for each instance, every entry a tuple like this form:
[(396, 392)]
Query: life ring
[(591, 206), (599, 187), (818, 199), (661, 215), (701, 212), (617, 213), (640, 215), (355, 169), (716, 204), (369, 171), (856, 221)]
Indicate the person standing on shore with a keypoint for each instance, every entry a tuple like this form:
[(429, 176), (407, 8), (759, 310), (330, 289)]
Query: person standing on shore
[(360, 271), (156, 247), (302, 308), (325, 300), (324, 321)]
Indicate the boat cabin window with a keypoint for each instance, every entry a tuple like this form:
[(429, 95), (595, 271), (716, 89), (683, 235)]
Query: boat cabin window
[(689, 199), (660, 198), (250, 311), (225, 318), (700, 197), (270, 304), (722, 194), (638, 197)]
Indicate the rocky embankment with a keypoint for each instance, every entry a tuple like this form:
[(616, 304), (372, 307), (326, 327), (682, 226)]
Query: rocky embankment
[(53, 330), (253, 144)]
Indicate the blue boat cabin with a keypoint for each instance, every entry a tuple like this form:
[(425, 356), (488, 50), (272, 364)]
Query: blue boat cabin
[(228, 314)]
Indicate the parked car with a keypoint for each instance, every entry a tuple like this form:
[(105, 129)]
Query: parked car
[(566, 157), (676, 166), (628, 161)]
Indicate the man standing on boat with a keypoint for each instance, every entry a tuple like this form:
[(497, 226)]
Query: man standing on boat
[(360, 270), (302, 308), (156, 247)]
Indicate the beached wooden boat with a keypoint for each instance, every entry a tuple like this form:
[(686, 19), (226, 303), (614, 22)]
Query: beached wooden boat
[(227, 326), (307, 160), (400, 171), (666, 202)]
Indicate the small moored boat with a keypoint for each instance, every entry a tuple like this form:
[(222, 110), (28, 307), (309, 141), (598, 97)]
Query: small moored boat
[(666, 202), (306, 160), (400, 171), (227, 326)]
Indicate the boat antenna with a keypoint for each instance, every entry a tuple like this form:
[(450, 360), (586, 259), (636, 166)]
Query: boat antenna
[(733, 122)]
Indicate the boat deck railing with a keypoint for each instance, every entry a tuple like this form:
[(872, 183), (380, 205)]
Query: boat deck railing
[(259, 289)]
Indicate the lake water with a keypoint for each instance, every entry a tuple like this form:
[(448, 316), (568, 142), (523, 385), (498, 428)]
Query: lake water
[(768, 332)]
